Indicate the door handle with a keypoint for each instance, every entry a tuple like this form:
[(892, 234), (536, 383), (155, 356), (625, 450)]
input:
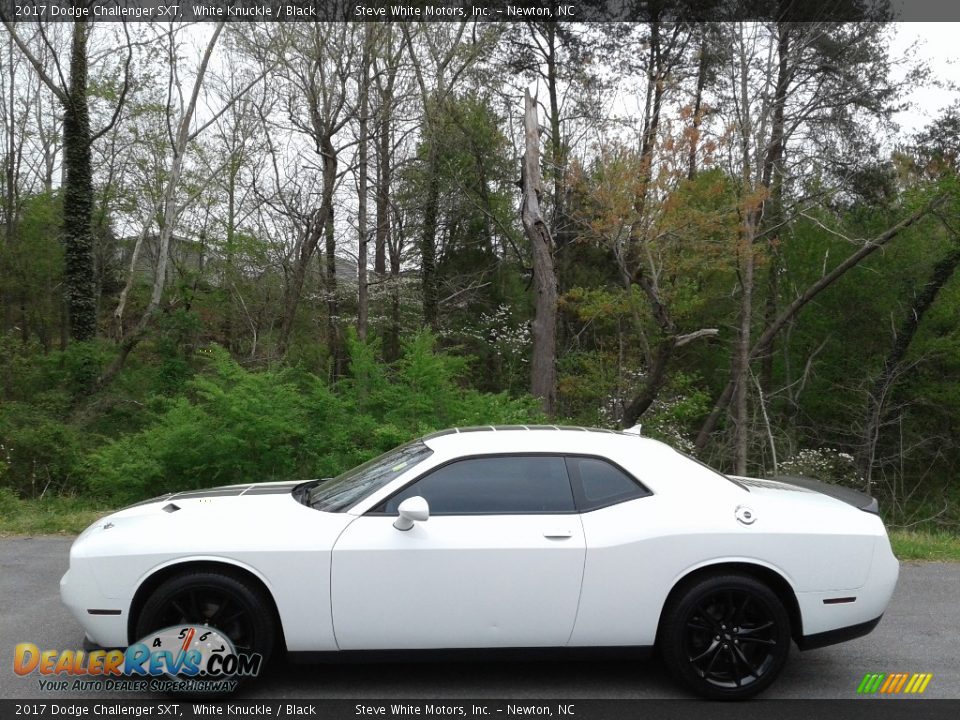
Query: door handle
[(558, 534)]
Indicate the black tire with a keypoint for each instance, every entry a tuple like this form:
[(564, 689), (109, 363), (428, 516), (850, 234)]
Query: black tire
[(231, 604), (726, 637)]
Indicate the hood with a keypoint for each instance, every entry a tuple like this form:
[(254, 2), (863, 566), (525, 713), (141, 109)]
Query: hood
[(224, 491), (199, 520), (233, 502)]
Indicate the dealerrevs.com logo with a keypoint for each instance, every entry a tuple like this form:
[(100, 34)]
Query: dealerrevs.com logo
[(182, 658)]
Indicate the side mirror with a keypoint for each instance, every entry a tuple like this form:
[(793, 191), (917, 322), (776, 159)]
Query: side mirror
[(412, 510)]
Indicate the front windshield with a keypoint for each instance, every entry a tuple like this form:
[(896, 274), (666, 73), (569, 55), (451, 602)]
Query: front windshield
[(339, 493)]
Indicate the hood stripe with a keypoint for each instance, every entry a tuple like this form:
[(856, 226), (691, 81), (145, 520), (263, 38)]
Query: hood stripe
[(222, 491)]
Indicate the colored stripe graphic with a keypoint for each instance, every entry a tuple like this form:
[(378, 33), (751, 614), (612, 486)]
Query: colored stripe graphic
[(870, 683), (891, 680), (894, 683), (900, 682)]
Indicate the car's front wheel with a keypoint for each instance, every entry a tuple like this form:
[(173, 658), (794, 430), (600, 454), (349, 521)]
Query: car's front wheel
[(725, 636), (228, 603)]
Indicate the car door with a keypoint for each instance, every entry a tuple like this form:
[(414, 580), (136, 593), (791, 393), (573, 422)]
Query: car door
[(498, 563)]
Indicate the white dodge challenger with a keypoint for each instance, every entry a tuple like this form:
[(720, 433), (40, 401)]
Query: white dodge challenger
[(501, 539)]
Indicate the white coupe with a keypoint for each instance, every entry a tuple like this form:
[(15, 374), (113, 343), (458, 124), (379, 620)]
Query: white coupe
[(501, 538)]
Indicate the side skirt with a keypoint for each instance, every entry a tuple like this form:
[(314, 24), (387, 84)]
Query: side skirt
[(562, 654)]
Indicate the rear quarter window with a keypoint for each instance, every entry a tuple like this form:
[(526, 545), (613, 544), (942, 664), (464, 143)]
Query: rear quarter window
[(599, 483)]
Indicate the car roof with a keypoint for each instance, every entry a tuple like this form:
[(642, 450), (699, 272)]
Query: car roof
[(491, 439)]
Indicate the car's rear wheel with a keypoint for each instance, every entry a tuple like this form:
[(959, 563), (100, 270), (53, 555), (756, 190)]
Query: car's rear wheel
[(725, 636), (230, 604)]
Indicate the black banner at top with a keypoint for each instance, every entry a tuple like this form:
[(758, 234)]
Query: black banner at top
[(479, 10), (476, 10)]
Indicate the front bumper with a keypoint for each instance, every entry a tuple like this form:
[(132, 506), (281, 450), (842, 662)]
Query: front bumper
[(104, 623)]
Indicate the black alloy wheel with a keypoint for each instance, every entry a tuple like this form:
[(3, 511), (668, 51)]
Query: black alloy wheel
[(726, 636), (230, 604)]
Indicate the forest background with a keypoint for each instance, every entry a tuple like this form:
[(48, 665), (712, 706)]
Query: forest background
[(235, 253)]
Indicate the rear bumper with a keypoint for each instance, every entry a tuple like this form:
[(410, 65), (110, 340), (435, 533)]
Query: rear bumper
[(827, 619), (832, 637)]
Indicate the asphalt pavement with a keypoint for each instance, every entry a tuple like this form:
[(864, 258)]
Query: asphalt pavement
[(919, 633)]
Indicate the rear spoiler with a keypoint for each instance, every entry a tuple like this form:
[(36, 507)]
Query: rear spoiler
[(859, 500)]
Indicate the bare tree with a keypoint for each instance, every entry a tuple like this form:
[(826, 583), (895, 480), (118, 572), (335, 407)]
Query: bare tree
[(318, 60), (363, 303), (170, 208), (388, 245), (543, 366)]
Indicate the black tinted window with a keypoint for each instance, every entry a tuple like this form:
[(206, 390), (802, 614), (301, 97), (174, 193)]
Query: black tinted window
[(599, 483), (495, 485)]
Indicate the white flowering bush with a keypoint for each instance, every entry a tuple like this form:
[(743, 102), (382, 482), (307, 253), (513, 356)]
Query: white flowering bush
[(824, 464), (508, 339), (502, 344)]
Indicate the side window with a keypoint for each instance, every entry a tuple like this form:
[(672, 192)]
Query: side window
[(494, 486), (598, 483)]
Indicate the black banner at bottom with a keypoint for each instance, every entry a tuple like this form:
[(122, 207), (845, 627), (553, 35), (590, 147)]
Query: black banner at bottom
[(859, 709)]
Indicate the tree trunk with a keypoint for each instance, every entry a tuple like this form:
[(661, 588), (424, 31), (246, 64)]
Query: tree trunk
[(230, 250), (428, 243), (362, 295), (651, 120), (10, 198), (656, 377), (79, 277), (329, 267), (741, 356), (543, 366), (383, 186), (773, 179), (294, 286), (391, 345), (697, 117), (557, 155), (319, 226)]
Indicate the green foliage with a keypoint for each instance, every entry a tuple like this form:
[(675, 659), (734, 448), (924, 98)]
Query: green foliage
[(38, 452), (926, 545), (466, 159), (31, 268), (48, 515), (29, 372), (673, 416), (9, 503), (232, 425)]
